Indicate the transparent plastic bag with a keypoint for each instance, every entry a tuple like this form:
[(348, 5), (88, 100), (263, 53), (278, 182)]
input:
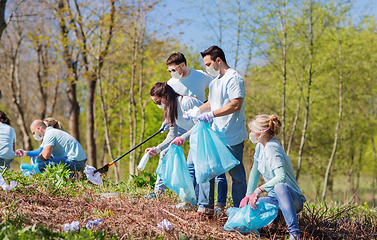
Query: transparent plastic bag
[(174, 172), (246, 220), (210, 155)]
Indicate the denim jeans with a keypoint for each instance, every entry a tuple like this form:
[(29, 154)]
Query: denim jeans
[(239, 185), (5, 162), (289, 203), (71, 165)]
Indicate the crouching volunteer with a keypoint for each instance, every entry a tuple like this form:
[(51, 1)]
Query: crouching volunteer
[(225, 108), (7, 141), (58, 147), (174, 105), (49, 122), (272, 162)]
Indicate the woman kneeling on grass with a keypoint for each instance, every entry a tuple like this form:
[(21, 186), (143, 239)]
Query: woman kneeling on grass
[(273, 163)]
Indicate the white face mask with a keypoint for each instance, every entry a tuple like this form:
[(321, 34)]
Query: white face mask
[(253, 138), (161, 105), (211, 71), (37, 137), (176, 75)]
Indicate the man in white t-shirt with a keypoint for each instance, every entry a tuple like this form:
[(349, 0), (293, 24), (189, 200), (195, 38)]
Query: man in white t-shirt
[(189, 82), (226, 109)]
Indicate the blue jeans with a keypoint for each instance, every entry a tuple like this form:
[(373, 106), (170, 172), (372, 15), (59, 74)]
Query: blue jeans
[(5, 162), (71, 165), (289, 203), (239, 185)]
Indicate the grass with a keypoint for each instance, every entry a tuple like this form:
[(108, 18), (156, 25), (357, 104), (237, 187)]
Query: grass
[(39, 207)]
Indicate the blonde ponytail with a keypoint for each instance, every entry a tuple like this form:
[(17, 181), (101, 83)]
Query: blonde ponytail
[(268, 123)]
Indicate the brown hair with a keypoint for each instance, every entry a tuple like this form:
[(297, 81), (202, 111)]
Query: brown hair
[(4, 118), (262, 122), (176, 58), (214, 52), (171, 108), (53, 123)]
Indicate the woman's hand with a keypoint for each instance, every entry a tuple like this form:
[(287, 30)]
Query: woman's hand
[(153, 150), (178, 141), (20, 153)]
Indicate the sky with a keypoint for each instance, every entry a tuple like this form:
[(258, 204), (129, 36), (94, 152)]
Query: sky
[(192, 33)]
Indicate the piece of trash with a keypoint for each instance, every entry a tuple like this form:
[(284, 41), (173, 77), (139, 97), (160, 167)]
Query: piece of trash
[(96, 178), (5, 186), (165, 225), (143, 162), (192, 113), (93, 223), (110, 195), (74, 226), (29, 170)]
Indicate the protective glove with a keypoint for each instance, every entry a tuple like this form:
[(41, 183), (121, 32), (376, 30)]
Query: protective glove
[(164, 127), (206, 117), (178, 141), (192, 113), (20, 153), (153, 150), (32, 169)]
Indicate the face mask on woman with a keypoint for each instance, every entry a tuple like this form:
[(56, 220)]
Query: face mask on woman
[(253, 138), (161, 105)]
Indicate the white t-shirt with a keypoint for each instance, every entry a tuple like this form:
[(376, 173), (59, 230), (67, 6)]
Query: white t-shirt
[(194, 84), (186, 103), (230, 128), (272, 157), (7, 138), (64, 144)]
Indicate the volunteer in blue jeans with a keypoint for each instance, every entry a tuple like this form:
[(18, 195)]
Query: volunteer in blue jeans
[(7, 141), (188, 82), (225, 108), (174, 105), (273, 163), (58, 147)]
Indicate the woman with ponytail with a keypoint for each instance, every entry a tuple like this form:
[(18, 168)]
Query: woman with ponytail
[(273, 163)]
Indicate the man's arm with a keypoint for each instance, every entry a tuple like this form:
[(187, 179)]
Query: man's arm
[(232, 107), (46, 152)]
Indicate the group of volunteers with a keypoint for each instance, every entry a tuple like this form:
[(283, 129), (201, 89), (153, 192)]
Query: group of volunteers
[(57, 146), (224, 111)]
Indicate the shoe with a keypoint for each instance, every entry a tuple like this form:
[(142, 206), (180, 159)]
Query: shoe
[(220, 211), (183, 206), (151, 195), (294, 237)]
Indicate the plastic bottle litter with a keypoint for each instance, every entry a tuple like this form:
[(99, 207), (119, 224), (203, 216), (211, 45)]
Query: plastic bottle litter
[(143, 162), (5, 186), (96, 178), (109, 195), (165, 225), (93, 223), (74, 226)]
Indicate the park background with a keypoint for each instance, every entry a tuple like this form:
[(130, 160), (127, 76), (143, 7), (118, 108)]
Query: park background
[(90, 64)]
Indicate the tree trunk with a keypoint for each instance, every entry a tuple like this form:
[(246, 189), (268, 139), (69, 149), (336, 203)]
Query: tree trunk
[(294, 123), (306, 120), (283, 28), (337, 125), (74, 110), (91, 144), (3, 24)]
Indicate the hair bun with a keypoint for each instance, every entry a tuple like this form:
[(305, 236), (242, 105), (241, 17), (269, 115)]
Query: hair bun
[(274, 124)]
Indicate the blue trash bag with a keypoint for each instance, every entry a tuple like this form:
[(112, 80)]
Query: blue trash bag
[(210, 155), (246, 220), (175, 174)]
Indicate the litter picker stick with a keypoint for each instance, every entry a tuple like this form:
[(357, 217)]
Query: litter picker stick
[(106, 167)]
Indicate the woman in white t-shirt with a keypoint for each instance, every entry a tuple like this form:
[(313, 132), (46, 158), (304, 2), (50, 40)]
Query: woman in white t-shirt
[(174, 105), (7, 141), (271, 161)]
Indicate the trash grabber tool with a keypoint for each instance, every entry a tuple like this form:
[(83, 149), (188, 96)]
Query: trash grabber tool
[(106, 167)]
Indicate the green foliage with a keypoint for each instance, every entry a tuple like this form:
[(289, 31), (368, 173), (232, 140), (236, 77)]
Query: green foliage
[(146, 180)]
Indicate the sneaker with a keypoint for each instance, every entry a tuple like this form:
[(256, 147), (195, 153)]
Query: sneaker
[(220, 211), (183, 206)]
